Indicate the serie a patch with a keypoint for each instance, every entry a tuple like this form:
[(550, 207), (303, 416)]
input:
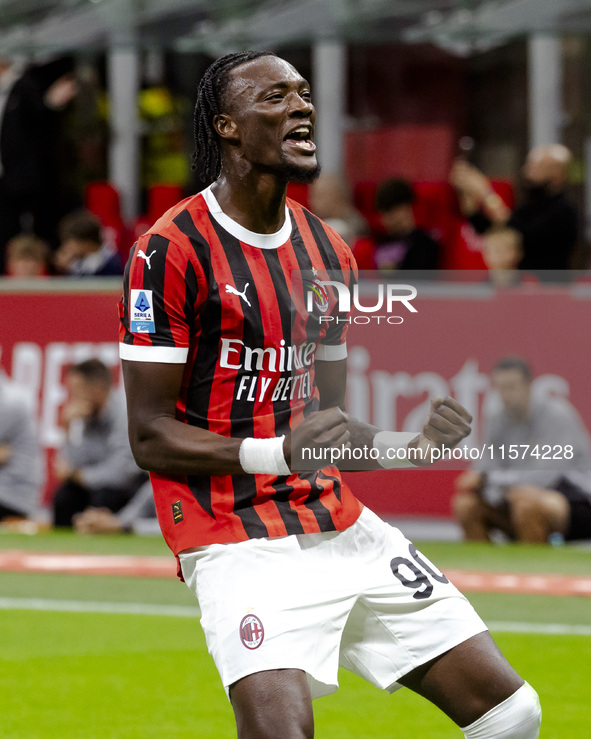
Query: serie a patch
[(177, 512), (141, 307)]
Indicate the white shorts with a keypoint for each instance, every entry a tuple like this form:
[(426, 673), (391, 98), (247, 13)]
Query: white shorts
[(362, 598)]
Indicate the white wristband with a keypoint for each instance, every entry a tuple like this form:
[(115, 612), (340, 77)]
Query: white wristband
[(263, 456), (393, 448)]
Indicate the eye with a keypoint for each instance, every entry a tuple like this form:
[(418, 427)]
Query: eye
[(307, 95), (275, 97)]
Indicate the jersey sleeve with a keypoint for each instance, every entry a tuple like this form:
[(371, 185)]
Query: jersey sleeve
[(163, 286), (333, 346)]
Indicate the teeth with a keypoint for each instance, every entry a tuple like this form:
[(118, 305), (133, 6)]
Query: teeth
[(304, 144), (302, 131)]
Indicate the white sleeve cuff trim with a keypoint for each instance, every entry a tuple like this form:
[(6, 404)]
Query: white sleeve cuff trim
[(331, 353), (165, 354)]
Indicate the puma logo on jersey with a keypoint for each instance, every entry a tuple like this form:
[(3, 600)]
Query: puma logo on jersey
[(146, 257), (233, 291)]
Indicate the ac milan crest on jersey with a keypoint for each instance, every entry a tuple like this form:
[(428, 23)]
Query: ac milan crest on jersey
[(320, 296), (252, 632)]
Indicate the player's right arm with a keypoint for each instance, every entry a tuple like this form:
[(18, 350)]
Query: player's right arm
[(166, 283), (165, 288), (161, 443)]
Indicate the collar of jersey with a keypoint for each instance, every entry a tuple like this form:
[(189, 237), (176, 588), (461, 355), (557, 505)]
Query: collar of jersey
[(261, 241)]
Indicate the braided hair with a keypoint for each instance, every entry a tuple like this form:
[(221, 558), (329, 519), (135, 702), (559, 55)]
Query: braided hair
[(207, 158)]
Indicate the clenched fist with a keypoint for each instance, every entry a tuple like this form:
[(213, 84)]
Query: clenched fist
[(308, 446), (447, 424)]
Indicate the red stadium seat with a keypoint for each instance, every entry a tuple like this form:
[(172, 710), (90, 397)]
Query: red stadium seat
[(298, 192), (102, 199), (161, 198), (364, 196)]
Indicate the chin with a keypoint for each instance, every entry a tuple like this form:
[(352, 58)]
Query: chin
[(304, 175)]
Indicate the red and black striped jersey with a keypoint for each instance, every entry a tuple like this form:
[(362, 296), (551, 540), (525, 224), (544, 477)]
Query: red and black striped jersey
[(229, 304)]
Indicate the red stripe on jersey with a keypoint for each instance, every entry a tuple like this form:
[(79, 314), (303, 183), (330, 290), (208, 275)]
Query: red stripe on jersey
[(341, 249), (224, 380), (290, 265), (223, 509), (263, 421), (176, 268), (267, 510), (297, 501), (329, 497), (225, 527)]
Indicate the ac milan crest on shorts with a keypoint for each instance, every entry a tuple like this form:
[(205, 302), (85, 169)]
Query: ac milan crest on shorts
[(252, 632)]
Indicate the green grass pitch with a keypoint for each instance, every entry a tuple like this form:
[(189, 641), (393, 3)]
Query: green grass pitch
[(118, 676)]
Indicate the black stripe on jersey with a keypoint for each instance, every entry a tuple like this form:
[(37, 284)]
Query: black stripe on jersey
[(290, 518), (199, 390), (282, 409), (305, 265), (192, 288), (200, 486), (321, 513), (241, 421), (154, 279), (287, 311), (316, 506), (191, 292), (325, 247), (336, 483), (332, 264), (312, 328)]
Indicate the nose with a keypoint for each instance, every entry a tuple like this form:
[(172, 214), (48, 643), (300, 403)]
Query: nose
[(299, 106)]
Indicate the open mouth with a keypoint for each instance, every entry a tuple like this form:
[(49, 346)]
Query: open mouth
[(301, 138)]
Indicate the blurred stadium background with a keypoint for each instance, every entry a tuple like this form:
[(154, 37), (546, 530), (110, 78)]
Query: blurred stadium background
[(402, 87)]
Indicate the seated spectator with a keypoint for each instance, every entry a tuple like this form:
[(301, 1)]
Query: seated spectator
[(21, 462), (27, 256), (402, 245), (330, 199), (502, 253), (95, 466), (546, 218), (138, 517), (527, 496), (82, 251)]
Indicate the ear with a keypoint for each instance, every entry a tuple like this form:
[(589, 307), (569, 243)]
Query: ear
[(225, 127)]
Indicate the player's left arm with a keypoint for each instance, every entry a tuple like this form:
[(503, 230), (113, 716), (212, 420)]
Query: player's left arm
[(447, 424)]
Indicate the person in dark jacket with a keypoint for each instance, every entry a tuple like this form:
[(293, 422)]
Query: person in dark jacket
[(27, 171), (546, 218), (402, 245)]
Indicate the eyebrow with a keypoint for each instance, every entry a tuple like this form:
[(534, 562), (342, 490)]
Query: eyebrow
[(285, 85)]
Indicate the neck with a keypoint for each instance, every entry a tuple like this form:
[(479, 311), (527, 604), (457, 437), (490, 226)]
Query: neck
[(256, 201)]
